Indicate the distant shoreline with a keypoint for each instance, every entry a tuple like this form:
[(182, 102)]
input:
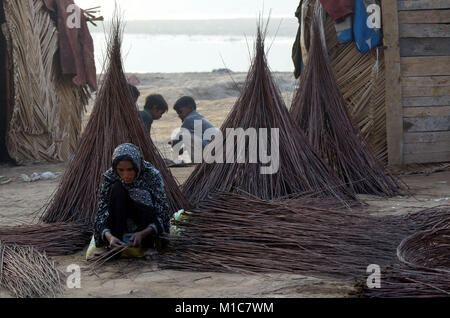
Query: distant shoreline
[(246, 26), (187, 73)]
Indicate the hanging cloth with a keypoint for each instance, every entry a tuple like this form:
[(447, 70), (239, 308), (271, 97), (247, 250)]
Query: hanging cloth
[(344, 30), (337, 9), (367, 24), (296, 49), (301, 44), (76, 47)]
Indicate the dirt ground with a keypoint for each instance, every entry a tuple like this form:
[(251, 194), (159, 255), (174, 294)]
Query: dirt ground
[(20, 200)]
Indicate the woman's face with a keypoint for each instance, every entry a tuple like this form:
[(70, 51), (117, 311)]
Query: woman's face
[(126, 171)]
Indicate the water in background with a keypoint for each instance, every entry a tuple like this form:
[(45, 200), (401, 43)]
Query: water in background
[(189, 51)]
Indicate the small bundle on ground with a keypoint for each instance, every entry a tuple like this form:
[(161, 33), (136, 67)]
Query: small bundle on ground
[(261, 112), (53, 239), (429, 248), (320, 111), (239, 233), (26, 273), (114, 120)]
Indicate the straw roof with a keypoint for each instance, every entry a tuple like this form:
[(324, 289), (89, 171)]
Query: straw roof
[(360, 78), (47, 106)]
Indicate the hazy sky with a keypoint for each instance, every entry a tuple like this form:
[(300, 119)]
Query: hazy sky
[(192, 9)]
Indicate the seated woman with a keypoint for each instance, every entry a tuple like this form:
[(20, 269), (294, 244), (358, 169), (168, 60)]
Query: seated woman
[(132, 200)]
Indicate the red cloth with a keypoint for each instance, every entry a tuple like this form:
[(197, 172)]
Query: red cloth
[(337, 9), (76, 47)]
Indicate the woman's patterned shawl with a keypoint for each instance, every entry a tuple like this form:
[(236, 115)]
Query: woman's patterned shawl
[(146, 190)]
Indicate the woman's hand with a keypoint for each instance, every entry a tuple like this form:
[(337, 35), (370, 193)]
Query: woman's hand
[(113, 241), (138, 237)]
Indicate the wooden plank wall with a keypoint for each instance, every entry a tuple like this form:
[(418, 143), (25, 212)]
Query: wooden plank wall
[(393, 92), (424, 43)]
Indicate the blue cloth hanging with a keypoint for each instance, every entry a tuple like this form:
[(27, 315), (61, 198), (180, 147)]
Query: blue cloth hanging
[(344, 30), (367, 24)]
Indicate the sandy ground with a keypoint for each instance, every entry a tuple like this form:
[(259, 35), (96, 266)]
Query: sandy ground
[(215, 93)]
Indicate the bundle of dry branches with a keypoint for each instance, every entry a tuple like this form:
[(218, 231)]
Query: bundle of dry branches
[(425, 265), (428, 248), (306, 236), (260, 106), (25, 272), (321, 112), (115, 120), (91, 15), (53, 239)]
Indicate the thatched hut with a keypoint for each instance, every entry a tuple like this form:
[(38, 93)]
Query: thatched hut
[(41, 106)]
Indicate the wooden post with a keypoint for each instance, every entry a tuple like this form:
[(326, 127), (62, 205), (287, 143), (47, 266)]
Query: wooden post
[(394, 108)]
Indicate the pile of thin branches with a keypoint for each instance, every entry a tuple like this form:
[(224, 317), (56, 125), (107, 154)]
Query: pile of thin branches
[(260, 106), (25, 272), (91, 15), (425, 265), (115, 120), (320, 111), (53, 239), (428, 248), (240, 233)]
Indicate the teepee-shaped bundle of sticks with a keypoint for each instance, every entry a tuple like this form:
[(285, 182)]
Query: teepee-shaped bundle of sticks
[(260, 106), (114, 120), (72, 210), (320, 110)]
